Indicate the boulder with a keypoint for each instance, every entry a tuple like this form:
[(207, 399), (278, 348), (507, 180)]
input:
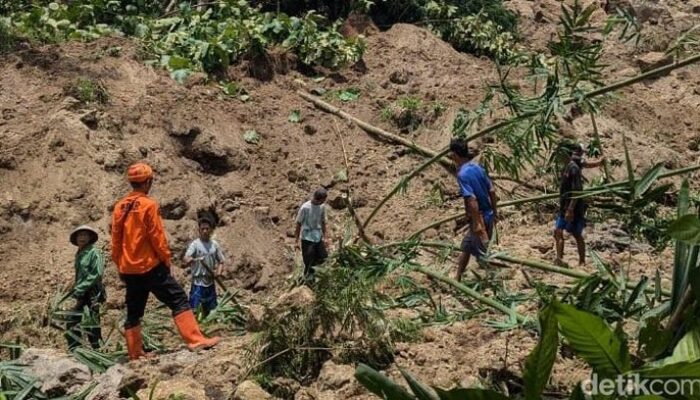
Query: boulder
[(249, 390), (650, 12), (58, 373), (653, 60), (335, 376), (115, 382), (181, 388)]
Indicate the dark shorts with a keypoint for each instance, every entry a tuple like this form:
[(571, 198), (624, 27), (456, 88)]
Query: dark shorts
[(473, 245), (204, 295), (158, 281), (313, 253), (574, 227)]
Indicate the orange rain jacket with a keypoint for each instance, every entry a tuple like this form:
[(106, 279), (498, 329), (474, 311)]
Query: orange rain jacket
[(138, 239)]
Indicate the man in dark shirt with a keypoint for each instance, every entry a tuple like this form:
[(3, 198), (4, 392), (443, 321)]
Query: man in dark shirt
[(572, 211)]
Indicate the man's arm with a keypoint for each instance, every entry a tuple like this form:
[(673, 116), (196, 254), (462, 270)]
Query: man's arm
[(297, 231), (156, 233), (494, 202), (476, 221), (220, 261), (189, 256), (576, 186), (323, 226), (117, 234)]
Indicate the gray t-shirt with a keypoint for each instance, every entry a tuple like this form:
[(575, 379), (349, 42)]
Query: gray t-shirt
[(207, 254), (311, 217)]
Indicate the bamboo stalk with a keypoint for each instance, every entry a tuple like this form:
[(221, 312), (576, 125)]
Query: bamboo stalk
[(565, 271), (542, 266), (373, 129), (471, 293), (552, 196)]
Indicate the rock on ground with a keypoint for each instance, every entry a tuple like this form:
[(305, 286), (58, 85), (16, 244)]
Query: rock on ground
[(335, 376), (249, 390), (181, 388), (58, 373)]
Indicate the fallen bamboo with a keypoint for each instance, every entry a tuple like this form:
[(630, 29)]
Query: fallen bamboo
[(565, 271), (552, 196), (373, 129), (471, 293)]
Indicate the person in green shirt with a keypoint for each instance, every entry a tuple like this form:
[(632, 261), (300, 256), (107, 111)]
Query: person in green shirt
[(88, 290)]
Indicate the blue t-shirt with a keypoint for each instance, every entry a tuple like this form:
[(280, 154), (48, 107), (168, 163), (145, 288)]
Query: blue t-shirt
[(473, 181)]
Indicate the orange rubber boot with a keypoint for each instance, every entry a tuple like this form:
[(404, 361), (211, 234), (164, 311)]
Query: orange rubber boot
[(134, 343), (189, 330)]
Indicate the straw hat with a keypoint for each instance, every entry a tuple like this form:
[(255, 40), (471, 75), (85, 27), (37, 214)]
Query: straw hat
[(92, 231)]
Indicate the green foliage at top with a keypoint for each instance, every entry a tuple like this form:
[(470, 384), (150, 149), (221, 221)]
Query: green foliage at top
[(482, 27), (209, 39)]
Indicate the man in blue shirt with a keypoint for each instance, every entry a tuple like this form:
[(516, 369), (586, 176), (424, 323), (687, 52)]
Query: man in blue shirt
[(480, 202)]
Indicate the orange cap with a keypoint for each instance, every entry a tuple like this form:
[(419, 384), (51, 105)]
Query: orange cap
[(139, 172)]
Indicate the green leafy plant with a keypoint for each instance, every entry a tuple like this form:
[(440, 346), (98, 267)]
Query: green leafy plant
[(207, 39), (88, 91), (347, 95), (294, 116), (252, 136)]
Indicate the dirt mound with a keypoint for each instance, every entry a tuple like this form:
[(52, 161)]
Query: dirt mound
[(62, 163)]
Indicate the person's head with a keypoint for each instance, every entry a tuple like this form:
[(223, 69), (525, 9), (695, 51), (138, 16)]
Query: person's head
[(459, 151), (83, 236), (140, 177), (206, 228), (577, 150), (319, 196)]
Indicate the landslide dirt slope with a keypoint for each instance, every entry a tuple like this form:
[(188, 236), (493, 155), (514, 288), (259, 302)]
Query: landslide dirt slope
[(62, 164)]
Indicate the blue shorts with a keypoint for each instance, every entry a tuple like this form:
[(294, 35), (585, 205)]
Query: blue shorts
[(473, 245), (574, 227), (204, 296)]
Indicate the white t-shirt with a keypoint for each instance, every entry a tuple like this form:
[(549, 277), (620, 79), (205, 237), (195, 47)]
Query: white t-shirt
[(311, 217), (211, 256)]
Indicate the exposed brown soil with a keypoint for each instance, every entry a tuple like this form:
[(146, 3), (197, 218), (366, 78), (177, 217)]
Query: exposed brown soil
[(62, 164)]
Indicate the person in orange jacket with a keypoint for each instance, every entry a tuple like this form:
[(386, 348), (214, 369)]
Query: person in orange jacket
[(141, 252)]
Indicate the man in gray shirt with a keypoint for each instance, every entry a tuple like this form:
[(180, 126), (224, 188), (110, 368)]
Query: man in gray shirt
[(310, 233), (205, 257)]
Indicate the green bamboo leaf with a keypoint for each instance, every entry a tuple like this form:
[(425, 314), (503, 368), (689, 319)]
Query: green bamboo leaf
[(539, 363), (628, 162), (592, 340), (648, 179), (680, 271), (419, 389), (682, 370), (379, 384), (469, 394), (686, 229)]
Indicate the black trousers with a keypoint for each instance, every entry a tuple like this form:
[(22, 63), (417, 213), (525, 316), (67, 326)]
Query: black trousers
[(73, 329), (313, 254), (161, 283)]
